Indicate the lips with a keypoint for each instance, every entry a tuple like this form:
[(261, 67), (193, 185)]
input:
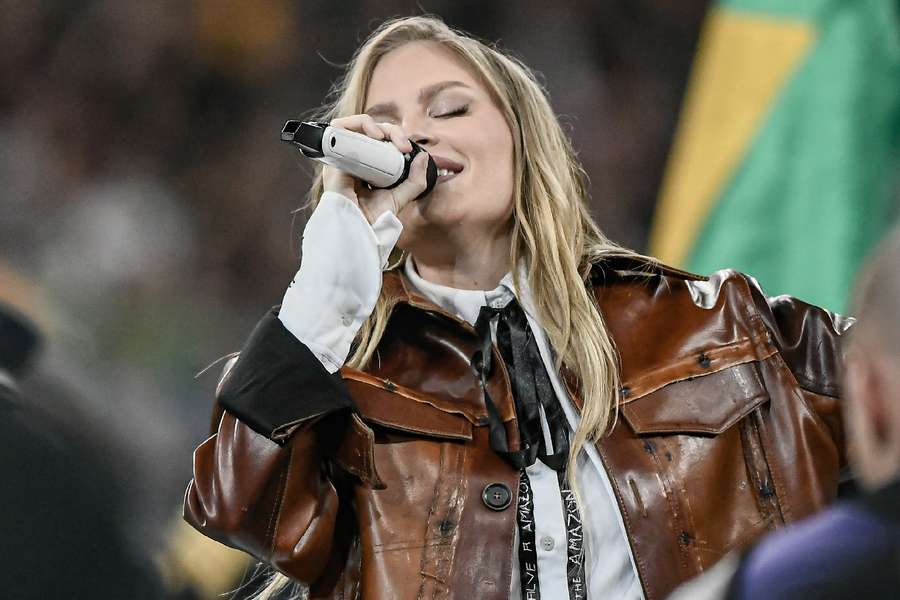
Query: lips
[(447, 169)]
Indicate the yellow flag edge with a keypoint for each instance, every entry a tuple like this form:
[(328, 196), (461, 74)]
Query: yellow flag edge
[(743, 60)]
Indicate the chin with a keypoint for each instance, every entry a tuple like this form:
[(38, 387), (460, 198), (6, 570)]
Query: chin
[(435, 210), (428, 227)]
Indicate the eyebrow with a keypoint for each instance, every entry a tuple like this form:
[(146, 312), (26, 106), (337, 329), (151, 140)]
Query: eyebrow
[(389, 109)]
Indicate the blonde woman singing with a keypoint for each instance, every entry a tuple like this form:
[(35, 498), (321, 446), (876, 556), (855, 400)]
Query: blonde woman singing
[(478, 395)]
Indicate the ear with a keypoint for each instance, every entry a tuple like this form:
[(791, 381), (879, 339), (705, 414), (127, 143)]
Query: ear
[(869, 390)]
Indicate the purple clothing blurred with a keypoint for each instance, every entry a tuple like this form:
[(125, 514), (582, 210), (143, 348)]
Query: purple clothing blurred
[(851, 550)]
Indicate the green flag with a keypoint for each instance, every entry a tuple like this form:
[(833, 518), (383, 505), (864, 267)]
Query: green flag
[(785, 161)]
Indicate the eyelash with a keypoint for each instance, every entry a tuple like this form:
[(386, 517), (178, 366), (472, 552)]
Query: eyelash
[(454, 113)]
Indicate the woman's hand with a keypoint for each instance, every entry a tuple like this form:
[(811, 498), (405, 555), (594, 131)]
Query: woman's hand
[(374, 203)]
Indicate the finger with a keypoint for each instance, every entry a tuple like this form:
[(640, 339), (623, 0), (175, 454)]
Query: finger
[(397, 136), (360, 124), (335, 180)]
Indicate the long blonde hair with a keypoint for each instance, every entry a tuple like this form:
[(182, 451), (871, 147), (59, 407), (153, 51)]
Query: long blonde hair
[(554, 236)]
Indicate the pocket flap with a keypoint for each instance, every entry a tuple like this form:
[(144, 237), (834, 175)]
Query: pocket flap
[(706, 405), (356, 453), (387, 404)]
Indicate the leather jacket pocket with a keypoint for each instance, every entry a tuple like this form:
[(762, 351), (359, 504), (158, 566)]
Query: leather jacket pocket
[(387, 404), (706, 405), (695, 467)]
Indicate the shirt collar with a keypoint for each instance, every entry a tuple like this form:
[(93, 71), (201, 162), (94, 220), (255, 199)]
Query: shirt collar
[(397, 286), (465, 304)]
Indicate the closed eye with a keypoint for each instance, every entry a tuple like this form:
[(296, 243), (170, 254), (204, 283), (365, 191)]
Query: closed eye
[(453, 113)]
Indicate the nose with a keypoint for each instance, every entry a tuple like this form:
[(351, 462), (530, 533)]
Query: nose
[(421, 139), (418, 131)]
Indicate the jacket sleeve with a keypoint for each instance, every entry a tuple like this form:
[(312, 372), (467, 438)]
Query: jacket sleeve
[(268, 480), (277, 384), (810, 339)]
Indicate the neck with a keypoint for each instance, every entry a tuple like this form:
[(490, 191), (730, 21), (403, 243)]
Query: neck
[(477, 264)]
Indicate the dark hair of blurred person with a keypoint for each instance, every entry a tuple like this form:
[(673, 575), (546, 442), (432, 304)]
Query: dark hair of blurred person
[(59, 536), (853, 549)]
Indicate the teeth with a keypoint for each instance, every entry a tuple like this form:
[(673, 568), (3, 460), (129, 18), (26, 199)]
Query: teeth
[(442, 172)]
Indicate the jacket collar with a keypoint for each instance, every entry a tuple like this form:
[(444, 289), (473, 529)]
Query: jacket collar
[(636, 264), (398, 288)]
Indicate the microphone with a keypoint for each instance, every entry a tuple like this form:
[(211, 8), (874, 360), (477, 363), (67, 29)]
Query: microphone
[(377, 162)]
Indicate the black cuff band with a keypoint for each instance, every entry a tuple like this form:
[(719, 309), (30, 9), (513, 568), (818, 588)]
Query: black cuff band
[(277, 382)]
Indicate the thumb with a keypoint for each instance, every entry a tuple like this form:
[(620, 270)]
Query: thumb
[(415, 183)]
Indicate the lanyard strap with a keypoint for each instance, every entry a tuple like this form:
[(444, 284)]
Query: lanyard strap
[(528, 564), (528, 569), (574, 542)]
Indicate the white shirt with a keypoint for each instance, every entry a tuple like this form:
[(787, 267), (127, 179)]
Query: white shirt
[(335, 291)]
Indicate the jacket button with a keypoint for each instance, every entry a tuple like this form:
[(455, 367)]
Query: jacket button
[(496, 496), (478, 362)]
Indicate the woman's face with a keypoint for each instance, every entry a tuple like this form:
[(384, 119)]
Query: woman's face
[(441, 106)]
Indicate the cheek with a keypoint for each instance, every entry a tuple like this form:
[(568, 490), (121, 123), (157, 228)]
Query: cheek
[(495, 164)]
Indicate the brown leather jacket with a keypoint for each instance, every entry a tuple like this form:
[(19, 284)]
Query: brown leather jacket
[(729, 426)]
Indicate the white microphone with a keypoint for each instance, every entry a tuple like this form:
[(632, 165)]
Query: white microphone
[(376, 162)]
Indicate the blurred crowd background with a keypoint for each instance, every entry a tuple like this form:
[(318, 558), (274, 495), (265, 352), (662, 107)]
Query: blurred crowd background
[(147, 217)]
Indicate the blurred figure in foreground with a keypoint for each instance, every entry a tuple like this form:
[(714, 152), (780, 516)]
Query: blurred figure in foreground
[(60, 532), (853, 549)]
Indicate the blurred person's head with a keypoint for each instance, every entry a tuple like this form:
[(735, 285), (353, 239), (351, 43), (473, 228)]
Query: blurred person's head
[(24, 320), (873, 369), (19, 342)]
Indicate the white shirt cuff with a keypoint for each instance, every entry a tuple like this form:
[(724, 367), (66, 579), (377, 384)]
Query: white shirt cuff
[(339, 279)]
